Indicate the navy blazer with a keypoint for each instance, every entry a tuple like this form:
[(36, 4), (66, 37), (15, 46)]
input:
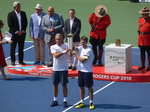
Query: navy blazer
[(76, 28)]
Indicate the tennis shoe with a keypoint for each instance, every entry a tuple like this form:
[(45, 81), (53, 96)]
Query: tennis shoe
[(54, 103), (65, 104), (91, 106), (80, 105)]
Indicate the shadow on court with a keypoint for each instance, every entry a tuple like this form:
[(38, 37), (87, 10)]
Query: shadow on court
[(115, 106), (29, 79)]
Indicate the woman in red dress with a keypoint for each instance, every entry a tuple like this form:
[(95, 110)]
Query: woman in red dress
[(2, 57)]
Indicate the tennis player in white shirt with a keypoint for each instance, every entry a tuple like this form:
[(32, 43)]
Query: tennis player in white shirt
[(85, 76)]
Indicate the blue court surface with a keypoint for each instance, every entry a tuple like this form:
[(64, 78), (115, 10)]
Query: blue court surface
[(34, 94)]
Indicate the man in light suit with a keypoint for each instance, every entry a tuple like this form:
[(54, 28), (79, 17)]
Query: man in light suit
[(52, 24), (73, 25), (37, 34), (17, 22)]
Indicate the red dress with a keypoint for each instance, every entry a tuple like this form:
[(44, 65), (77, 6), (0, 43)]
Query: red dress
[(2, 57)]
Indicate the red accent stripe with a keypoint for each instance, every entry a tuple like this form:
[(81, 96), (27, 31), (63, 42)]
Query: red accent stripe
[(98, 73)]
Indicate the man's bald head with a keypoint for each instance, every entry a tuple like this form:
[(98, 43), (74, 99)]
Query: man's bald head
[(51, 11)]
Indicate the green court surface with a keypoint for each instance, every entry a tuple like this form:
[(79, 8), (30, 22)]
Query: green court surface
[(124, 15)]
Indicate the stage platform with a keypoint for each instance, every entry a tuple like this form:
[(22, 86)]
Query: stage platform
[(98, 73)]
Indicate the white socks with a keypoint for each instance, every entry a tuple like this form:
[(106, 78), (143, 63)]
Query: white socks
[(82, 101), (55, 98), (65, 99), (91, 101)]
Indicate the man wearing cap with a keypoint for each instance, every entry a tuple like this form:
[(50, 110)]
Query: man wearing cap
[(17, 22), (144, 37), (37, 34), (52, 24), (99, 21)]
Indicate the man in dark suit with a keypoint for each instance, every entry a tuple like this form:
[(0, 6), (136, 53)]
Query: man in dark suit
[(73, 26), (17, 22)]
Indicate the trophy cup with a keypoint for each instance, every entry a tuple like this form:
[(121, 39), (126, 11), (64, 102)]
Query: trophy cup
[(70, 41)]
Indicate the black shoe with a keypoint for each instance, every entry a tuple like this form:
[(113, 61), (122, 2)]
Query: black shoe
[(54, 103), (65, 104), (94, 61), (74, 68), (36, 63), (70, 67), (50, 65), (13, 63), (132, 1), (141, 67), (22, 63), (100, 63), (148, 68)]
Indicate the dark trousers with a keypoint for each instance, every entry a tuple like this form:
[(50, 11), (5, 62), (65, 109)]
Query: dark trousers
[(97, 42), (144, 49), (20, 41)]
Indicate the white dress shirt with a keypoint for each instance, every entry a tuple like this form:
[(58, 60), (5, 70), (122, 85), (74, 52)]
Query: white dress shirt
[(19, 19), (71, 23), (39, 19)]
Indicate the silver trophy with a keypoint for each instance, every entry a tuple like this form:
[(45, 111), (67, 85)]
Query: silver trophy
[(70, 41)]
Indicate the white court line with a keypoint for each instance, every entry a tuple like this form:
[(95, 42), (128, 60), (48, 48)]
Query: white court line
[(88, 96), (23, 50)]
